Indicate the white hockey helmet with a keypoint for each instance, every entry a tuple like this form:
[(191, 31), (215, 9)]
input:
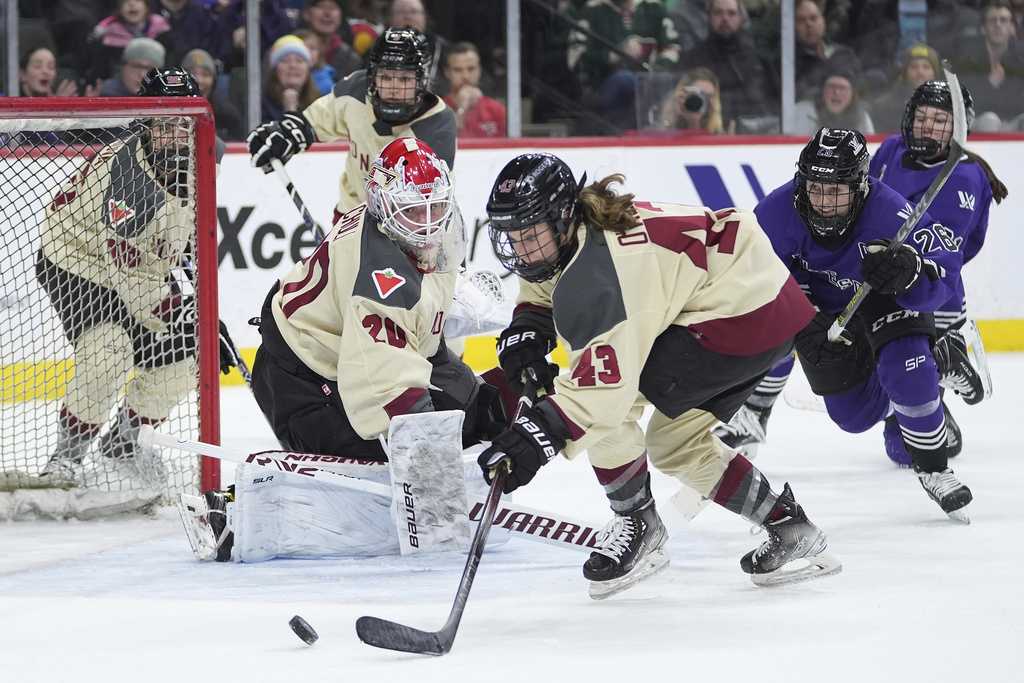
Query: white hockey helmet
[(409, 191)]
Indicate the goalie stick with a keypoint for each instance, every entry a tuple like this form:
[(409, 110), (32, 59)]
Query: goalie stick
[(957, 147), (286, 181), (532, 524), (390, 635)]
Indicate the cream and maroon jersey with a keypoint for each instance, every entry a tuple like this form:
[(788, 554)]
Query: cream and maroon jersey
[(115, 225), (357, 311), (713, 273), (345, 113)]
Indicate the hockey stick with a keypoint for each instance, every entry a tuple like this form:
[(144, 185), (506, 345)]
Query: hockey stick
[(394, 636), (957, 147), (532, 524), (289, 186)]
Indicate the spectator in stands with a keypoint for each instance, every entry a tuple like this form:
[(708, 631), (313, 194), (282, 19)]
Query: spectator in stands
[(323, 73), (324, 18), (274, 23), (139, 57), (814, 53), (591, 58), (289, 84), (478, 116), (695, 104), (112, 34), (920, 63), (366, 21), (205, 70), (193, 24), (748, 84), (411, 14), (37, 73), (992, 65), (836, 106)]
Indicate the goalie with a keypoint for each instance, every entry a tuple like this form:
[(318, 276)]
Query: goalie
[(113, 240), (353, 340)]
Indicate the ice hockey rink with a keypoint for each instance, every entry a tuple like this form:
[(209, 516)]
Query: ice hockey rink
[(920, 598)]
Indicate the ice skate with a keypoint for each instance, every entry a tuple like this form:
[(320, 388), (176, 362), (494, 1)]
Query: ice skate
[(631, 550), (119, 446), (63, 468), (946, 490), (794, 551), (954, 437), (206, 525), (956, 371), (746, 430)]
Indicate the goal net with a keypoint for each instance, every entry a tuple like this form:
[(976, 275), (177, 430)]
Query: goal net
[(108, 301)]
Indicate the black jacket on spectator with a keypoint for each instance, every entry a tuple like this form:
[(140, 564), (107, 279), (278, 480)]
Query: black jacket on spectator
[(811, 68), (972, 66), (194, 27), (748, 85)]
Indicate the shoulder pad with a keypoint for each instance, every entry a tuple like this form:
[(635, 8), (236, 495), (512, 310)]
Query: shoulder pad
[(587, 300), (353, 85), (385, 273)]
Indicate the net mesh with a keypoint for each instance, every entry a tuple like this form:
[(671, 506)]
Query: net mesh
[(98, 321)]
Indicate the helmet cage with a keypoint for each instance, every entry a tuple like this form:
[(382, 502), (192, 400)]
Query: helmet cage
[(935, 94), (398, 50), (832, 157)]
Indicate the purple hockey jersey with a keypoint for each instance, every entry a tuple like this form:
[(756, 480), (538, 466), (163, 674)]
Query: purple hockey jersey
[(830, 278)]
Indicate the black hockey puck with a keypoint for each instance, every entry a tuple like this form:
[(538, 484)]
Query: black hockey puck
[(303, 630)]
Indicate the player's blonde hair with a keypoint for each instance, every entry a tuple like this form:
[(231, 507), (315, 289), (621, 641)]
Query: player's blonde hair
[(605, 209)]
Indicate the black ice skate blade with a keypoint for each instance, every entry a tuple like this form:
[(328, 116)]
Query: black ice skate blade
[(655, 562), (388, 635), (802, 569)]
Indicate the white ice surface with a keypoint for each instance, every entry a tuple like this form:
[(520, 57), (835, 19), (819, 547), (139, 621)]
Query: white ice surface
[(920, 598)]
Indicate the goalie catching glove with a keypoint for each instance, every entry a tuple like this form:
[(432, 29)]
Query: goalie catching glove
[(891, 274), (280, 140), (528, 443), (522, 350)]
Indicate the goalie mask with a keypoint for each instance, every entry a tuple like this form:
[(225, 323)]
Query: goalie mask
[(831, 184), (396, 78), (409, 192), (532, 210), (927, 125), (165, 140)]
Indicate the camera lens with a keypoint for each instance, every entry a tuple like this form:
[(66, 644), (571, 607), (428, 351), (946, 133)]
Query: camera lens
[(695, 103)]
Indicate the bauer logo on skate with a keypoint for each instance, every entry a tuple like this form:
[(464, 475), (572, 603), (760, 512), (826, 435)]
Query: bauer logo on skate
[(386, 281)]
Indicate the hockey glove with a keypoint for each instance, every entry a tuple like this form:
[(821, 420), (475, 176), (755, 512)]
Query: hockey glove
[(814, 347), (522, 350), (891, 274), (528, 444), (486, 418), (280, 140), (228, 350)]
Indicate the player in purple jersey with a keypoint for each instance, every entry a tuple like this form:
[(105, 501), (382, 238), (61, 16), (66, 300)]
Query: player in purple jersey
[(908, 163), (831, 226)]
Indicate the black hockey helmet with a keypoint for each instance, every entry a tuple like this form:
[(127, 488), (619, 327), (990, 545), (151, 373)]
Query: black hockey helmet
[(170, 81), (400, 49), (533, 188), (935, 94), (831, 184)]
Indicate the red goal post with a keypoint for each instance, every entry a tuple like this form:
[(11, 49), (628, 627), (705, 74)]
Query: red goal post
[(46, 143)]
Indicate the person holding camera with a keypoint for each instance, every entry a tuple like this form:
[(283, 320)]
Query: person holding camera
[(695, 104)]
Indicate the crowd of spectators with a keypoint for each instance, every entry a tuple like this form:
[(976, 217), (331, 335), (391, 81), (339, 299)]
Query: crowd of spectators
[(603, 67)]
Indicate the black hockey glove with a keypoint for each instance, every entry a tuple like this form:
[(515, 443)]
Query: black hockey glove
[(228, 350), (814, 347), (521, 350), (891, 274), (486, 418), (528, 443), (280, 140)]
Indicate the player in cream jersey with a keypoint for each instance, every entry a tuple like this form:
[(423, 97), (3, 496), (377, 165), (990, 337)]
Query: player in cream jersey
[(368, 109), (664, 304)]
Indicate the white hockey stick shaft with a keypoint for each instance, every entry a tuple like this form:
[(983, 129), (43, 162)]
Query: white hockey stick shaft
[(286, 181), (531, 524), (957, 147)]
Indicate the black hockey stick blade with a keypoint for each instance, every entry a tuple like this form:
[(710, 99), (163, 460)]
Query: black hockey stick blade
[(391, 636)]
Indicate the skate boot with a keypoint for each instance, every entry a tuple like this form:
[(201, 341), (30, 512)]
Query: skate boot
[(631, 549), (206, 524), (746, 430), (120, 446), (73, 441), (946, 490), (954, 437), (791, 536), (955, 369), (894, 446)]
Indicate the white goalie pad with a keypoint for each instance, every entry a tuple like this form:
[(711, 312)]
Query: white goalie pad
[(428, 502), (479, 305), (194, 517), (976, 354)]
